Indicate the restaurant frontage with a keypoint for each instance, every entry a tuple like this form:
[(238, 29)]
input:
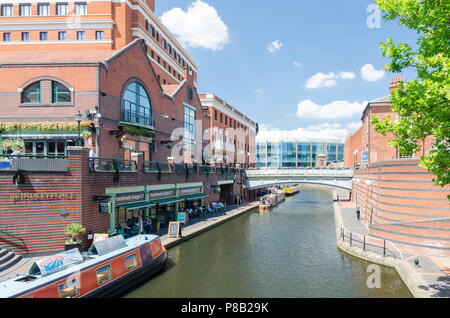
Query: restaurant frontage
[(129, 206)]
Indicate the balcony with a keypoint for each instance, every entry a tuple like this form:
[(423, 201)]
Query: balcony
[(38, 163)]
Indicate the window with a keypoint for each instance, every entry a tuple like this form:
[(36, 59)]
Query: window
[(25, 36), (32, 94), (43, 36), (61, 35), (226, 120), (62, 8), (60, 93), (99, 35), (220, 117), (130, 262), (174, 54), (152, 30), (80, 8), (25, 10), (43, 9), (146, 25), (215, 115), (189, 133), (7, 10), (164, 44), (104, 274), (170, 49), (69, 289), (136, 105), (6, 37), (80, 35)]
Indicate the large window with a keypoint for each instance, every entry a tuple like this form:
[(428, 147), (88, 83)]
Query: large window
[(7, 10), (43, 9), (62, 9), (80, 8), (304, 154), (189, 134), (25, 10), (32, 94), (60, 93), (289, 154), (136, 105)]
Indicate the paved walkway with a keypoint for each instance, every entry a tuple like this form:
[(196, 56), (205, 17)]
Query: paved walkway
[(195, 227), (432, 275)]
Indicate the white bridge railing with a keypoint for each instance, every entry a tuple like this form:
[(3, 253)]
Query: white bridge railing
[(286, 172)]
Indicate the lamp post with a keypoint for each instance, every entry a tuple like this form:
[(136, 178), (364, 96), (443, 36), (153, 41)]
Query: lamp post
[(78, 117)]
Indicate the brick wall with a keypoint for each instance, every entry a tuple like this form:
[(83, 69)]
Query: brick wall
[(400, 203), (39, 222)]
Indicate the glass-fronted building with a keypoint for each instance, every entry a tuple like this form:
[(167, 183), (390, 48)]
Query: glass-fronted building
[(297, 153)]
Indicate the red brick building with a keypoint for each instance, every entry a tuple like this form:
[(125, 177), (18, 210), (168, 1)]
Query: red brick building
[(397, 197), (109, 77)]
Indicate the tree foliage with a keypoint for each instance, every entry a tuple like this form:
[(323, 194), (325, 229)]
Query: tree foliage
[(422, 105)]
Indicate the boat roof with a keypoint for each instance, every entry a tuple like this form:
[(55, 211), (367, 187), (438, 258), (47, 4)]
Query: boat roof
[(111, 247)]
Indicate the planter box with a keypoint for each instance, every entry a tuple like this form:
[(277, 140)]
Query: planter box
[(72, 246)]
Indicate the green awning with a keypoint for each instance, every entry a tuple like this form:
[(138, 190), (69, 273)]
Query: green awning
[(136, 205), (166, 201), (195, 196)]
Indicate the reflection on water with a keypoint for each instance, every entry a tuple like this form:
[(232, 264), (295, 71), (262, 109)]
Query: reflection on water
[(289, 251)]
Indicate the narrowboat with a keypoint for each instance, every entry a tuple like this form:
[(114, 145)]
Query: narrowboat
[(291, 190), (271, 200), (107, 269)]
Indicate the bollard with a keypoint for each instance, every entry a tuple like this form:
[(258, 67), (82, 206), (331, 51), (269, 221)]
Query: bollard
[(364, 243), (384, 248), (350, 238)]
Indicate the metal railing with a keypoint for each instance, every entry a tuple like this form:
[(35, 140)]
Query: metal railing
[(372, 244), (112, 165), (137, 118), (47, 163), (299, 172), (157, 167), (15, 237)]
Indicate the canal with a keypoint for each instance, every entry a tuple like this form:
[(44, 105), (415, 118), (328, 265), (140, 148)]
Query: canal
[(289, 251)]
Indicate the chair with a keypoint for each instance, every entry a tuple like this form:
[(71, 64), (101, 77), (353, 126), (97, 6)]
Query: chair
[(122, 232), (134, 231)]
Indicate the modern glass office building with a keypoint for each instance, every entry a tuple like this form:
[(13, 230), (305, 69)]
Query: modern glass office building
[(297, 153)]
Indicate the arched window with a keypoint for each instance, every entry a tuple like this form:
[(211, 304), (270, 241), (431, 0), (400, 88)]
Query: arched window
[(32, 93), (60, 93), (136, 105)]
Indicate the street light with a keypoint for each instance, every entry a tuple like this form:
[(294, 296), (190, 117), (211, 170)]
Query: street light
[(79, 117)]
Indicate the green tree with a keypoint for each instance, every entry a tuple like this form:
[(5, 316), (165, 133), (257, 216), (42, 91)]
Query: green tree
[(422, 105)]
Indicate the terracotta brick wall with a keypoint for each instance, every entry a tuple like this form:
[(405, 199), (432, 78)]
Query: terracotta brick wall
[(400, 203)]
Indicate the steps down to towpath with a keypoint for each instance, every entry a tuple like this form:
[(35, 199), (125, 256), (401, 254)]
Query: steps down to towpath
[(8, 259)]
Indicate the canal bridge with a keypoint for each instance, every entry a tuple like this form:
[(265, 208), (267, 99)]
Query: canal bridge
[(266, 177)]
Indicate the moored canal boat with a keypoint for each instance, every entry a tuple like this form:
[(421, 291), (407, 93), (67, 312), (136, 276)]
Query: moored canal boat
[(291, 190), (271, 200), (107, 269)]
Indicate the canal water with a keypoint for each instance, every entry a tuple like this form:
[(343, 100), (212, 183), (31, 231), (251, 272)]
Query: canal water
[(289, 251)]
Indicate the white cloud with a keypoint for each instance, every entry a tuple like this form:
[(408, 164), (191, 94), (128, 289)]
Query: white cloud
[(297, 64), (322, 80), (327, 131), (275, 46), (346, 75), (259, 91), (199, 26), (336, 109), (369, 73), (327, 80)]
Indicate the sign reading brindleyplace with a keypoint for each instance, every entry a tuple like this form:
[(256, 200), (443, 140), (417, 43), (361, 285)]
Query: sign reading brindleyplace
[(43, 196)]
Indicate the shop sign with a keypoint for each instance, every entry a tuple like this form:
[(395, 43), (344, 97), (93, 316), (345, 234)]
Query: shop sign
[(365, 157), (103, 207), (187, 191), (129, 197), (43, 196), (161, 194)]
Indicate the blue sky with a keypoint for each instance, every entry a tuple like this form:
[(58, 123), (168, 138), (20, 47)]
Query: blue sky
[(315, 61)]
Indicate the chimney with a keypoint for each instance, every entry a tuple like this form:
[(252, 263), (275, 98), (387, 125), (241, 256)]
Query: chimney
[(395, 83)]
